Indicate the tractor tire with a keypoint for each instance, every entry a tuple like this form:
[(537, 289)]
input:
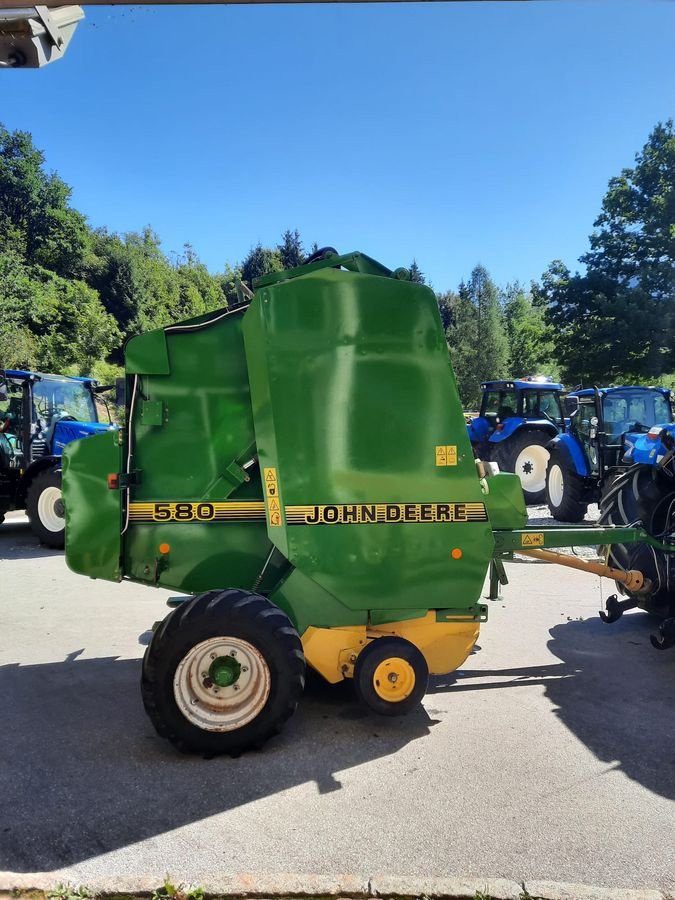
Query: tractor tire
[(564, 490), (44, 507), (222, 673), (643, 494), (525, 454), (391, 676)]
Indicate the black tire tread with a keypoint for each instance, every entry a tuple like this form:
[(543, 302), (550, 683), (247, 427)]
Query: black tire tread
[(46, 478), (573, 507), (640, 495), (211, 608)]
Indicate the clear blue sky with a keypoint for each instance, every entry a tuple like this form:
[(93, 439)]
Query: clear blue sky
[(454, 133)]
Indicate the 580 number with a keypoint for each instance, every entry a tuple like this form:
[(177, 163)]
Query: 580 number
[(183, 512)]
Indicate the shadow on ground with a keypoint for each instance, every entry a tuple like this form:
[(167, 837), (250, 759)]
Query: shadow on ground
[(83, 772), (611, 688)]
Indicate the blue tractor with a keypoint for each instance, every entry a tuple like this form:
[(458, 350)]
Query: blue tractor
[(518, 419), (609, 430), (39, 415)]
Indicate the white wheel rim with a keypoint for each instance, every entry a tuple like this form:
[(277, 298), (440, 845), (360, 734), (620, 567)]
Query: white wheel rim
[(217, 707), (531, 467), (556, 485), (50, 509)]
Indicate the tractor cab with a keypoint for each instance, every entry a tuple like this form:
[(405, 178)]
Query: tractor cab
[(608, 421), (609, 429), (517, 420), (39, 415)]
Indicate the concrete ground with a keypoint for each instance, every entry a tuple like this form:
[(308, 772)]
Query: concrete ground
[(550, 755)]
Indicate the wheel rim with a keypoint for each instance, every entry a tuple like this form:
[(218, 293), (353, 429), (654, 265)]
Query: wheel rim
[(50, 509), (394, 679), (531, 467), (556, 485), (222, 684)]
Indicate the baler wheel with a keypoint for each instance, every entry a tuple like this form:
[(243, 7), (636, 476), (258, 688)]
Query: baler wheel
[(223, 673), (391, 676)]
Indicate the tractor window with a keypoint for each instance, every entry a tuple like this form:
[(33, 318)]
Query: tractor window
[(55, 397), (634, 410), (10, 408), (499, 404), (584, 416), (542, 404)]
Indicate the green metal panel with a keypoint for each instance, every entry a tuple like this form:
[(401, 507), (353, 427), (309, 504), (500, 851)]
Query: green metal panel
[(92, 509), (505, 501), (192, 430), (352, 393)]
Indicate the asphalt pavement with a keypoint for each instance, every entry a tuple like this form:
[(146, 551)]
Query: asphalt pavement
[(550, 755)]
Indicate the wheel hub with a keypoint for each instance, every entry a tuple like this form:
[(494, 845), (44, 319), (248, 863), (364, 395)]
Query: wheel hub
[(222, 684), (224, 670), (394, 679)]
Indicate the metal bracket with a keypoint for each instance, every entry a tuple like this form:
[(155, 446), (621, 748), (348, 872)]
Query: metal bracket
[(50, 25)]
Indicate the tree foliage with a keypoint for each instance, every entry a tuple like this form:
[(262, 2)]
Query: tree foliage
[(71, 294), (616, 321)]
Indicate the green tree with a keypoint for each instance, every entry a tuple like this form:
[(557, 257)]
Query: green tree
[(617, 321), (478, 339), (416, 274), (260, 261), (530, 347), (290, 250)]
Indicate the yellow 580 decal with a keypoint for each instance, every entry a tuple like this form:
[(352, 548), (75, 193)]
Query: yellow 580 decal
[(243, 511)]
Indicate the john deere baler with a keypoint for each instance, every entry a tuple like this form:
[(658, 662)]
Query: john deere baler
[(299, 467)]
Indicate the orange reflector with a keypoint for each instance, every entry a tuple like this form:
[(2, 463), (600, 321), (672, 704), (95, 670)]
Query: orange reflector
[(113, 482), (164, 548), (456, 553)]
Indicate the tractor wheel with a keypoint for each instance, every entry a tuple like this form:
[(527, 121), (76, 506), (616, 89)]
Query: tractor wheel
[(223, 673), (525, 454), (643, 494), (391, 676), (44, 506), (564, 490)]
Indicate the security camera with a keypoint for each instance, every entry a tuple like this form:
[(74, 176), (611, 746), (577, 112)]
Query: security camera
[(34, 36)]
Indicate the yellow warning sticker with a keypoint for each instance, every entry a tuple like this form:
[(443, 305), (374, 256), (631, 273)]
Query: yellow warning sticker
[(272, 495), (532, 539), (446, 455)]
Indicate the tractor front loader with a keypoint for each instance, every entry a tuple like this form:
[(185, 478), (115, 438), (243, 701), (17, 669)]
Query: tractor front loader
[(298, 467)]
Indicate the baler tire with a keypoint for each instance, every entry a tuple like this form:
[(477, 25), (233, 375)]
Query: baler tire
[(48, 479), (572, 506), (375, 655), (509, 451), (247, 620)]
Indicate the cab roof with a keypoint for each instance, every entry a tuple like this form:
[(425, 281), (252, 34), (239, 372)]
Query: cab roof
[(521, 384), (21, 374), (590, 392)]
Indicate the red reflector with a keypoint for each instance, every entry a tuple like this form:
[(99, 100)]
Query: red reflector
[(499, 428), (113, 482)]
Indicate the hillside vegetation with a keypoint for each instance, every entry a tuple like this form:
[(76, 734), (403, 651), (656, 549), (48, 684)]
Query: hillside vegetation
[(71, 293)]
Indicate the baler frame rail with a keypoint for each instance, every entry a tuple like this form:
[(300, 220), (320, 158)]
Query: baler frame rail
[(537, 544)]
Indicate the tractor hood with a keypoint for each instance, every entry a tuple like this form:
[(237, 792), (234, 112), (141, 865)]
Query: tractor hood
[(650, 447), (71, 430)]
